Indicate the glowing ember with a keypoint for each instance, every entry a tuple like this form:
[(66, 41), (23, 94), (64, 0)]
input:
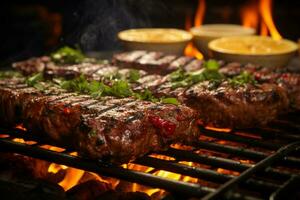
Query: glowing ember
[(227, 130), (20, 140), (20, 127), (72, 178)]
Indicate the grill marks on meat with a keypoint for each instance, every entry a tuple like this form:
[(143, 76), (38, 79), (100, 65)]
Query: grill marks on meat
[(32, 65), (236, 107), (117, 129), (155, 62), (220, 106), (228, 106), (289, 82)]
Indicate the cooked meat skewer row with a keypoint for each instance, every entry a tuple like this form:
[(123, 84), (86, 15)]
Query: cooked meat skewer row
[(115, 129)]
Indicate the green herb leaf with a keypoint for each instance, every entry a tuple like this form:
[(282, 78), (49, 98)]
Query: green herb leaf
[(242, 79), (34, 79), (146, 95), (120, 88), (9, 74), (210, 72), (67, 55), (212, 65), (134, 75), (169, 100), (178, 75)]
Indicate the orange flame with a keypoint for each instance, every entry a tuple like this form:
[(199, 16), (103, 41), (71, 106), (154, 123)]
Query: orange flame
[(252, 12), (200, 13), (263, 29), (265, 7), (190, 49), (249, 15)]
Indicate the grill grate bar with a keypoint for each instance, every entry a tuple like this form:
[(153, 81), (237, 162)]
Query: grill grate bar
[(242, 152), (237, 138), (208, 160), (106, 169), (280, 154), (268, 184), (221, 162), (284, 190), (207, 174)]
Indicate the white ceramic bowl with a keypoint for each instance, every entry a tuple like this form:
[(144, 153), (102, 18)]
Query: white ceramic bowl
[(165, 40), (208, 32), (259, 50)]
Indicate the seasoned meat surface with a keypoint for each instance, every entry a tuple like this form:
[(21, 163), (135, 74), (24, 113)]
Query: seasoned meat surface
[(155, 62), (115, 129), (221, 105), (288, 81)]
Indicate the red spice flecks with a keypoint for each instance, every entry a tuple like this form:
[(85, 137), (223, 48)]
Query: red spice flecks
[(160, 123), (66, 111)]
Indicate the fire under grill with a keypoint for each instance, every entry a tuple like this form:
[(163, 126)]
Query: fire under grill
[(260, 163)]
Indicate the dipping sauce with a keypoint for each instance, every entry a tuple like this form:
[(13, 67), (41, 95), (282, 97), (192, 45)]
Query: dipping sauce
[(155, 35), (252, 45)]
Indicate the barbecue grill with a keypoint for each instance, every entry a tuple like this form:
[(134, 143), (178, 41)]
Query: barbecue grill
[(272, 170), (257, 163)]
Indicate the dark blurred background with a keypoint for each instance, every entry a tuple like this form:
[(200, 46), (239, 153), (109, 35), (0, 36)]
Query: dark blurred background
[(32, 27)]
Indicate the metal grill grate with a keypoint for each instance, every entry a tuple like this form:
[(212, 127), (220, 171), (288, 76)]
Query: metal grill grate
[(272, 170)]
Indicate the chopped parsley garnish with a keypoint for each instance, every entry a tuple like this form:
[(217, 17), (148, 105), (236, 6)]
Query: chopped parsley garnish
[(212, 65), (67, 55), (34, 79), (169, 100), (180, 78), (242, 79), (9, 74), (118, 88), (134, 75), (146, 95)]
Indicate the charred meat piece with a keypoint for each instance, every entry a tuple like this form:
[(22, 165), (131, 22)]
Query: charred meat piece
[(220, 105), (155, 62), (32, 65), (226, 106), (115, 129), (290, 82)]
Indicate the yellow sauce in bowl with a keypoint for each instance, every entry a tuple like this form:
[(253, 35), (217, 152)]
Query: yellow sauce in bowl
[(252, 45), (155, 35)]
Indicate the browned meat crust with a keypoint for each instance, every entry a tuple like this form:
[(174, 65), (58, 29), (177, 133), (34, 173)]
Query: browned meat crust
[(221, 106), (155, 62), (116, 129), (32, 65), (288, 81)]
